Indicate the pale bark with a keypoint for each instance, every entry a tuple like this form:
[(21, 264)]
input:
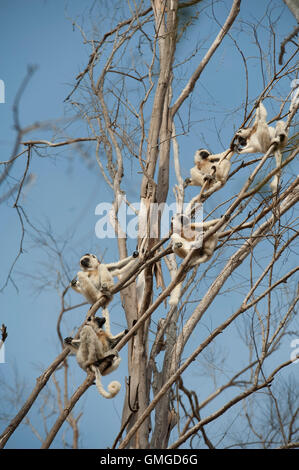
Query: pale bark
[(146, 423)]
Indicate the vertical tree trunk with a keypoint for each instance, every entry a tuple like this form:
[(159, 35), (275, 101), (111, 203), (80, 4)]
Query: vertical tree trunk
[(160, 131)]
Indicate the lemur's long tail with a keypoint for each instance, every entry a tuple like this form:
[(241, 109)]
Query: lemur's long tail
[(276, 178), (113, 387), (175, 295), (261, 113), (106, 315)]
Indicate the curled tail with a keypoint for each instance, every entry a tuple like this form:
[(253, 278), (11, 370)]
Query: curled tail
[(113, 387)]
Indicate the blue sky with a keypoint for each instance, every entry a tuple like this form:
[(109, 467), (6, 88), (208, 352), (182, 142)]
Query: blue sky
[(36, 32)]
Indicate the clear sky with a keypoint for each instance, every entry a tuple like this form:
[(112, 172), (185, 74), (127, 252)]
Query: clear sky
[(66, 188)]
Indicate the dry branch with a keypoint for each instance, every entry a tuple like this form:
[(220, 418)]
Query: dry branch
[(235, 9), (232, 264), (65, 413), (228, 405)]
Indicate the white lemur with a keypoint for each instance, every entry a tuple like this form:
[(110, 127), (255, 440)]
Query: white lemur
[(259, 137), (187, 236), (96, 278), (95, 348), (210, 170)]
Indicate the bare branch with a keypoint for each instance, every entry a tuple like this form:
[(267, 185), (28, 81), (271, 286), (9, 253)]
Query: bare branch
[(235, 9)]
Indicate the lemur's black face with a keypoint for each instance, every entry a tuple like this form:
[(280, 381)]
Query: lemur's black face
[(100, 321), (242, 141), (282, 138), (204, 154), (86, 260), (239, 141)]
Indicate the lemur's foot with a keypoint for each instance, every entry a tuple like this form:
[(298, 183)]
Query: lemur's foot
[(187, 182), (234, 146), (68, 340), (109, 358), (105, 289), (74, 281), (209, 178)]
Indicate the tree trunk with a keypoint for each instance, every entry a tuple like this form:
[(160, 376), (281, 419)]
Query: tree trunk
[(158, 146)]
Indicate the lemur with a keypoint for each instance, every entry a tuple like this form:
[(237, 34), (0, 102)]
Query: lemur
[(187, 236), (210, 170), (96, 278), (259, 137), (94, 349)]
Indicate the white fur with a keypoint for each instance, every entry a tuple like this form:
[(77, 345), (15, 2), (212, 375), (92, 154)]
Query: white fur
[(96, 279), (260, 136), (280, 139), (113, 387), (175, 295), (187, 237), (91, 348), (212, 171)]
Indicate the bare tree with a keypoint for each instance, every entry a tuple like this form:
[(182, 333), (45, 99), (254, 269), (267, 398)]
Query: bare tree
[(139, 109)]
